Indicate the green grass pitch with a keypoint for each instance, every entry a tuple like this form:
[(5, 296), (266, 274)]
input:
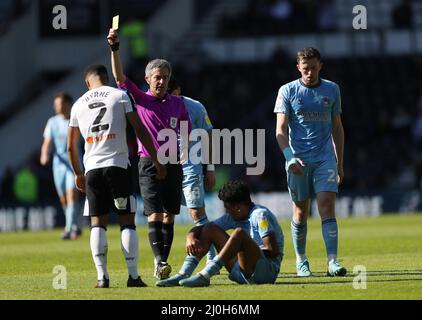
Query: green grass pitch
[(390, 248)]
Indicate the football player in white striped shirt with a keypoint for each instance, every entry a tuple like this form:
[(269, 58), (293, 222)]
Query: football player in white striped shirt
[(101, 115)]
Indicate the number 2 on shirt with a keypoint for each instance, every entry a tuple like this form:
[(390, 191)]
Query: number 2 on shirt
[(96, 126)]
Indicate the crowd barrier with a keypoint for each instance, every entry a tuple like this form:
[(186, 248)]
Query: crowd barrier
[(16, 217)]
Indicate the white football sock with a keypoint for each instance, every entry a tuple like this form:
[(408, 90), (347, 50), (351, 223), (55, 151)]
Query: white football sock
[(130, 249), (98, 242)]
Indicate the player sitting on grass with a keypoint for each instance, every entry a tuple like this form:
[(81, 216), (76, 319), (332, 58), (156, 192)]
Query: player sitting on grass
[(252, 253)]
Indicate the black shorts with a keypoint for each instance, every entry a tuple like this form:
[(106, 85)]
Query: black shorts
[(109, 189), (160, 196), (134, 174)]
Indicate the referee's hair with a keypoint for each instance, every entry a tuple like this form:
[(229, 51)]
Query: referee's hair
[(97, 70), (67, 98), (157, 63), (235, 191)]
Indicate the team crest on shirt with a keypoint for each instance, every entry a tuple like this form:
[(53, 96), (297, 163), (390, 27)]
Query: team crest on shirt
[(326, 101), (263, 222), (173, 122)]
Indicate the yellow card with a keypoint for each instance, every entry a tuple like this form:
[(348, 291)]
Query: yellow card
[(116, 23)]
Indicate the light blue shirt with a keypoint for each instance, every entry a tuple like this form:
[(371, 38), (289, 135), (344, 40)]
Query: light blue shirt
[(311, 111), (56, 129), (200, 120), (261, 223)]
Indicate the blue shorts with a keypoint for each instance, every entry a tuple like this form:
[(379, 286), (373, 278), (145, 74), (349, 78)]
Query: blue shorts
[(317, 177), (266, 271), (64, 179), (193, 191)]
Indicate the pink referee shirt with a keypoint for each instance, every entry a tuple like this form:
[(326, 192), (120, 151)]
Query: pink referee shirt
[(157, 114)]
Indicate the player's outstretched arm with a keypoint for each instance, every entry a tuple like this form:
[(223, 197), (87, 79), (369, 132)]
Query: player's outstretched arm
[(45, 151), (144, 136), (338, 139), (73, 135), (294, 164), (116, 61)]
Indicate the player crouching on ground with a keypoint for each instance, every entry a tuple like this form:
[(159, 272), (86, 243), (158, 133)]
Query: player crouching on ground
[(252, 254)]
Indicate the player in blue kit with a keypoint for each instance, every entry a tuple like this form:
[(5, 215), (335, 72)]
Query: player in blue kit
[(252, 254), (55, 141), (194, 181), (310, 134)]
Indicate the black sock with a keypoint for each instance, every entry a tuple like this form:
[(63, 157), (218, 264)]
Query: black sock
[(168, 235), (155, 235)]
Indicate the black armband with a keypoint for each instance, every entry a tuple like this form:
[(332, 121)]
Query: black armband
[(115, 46)]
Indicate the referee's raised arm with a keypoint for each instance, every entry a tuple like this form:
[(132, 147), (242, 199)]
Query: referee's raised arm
[(116, 62)]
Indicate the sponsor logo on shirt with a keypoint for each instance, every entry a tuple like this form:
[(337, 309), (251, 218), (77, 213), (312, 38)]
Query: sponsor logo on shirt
[(91, 140), (315, 116)]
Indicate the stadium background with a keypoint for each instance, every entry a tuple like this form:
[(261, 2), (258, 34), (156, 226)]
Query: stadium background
[(232, 55)]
